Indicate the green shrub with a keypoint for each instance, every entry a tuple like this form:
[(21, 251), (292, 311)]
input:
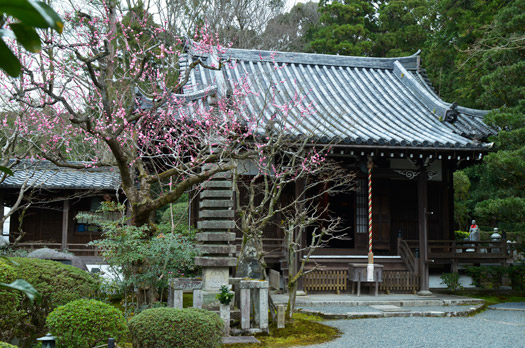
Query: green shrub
[(6, 345), (181, 328), (451, 280), (488, 277), (461, 235), (144, 262), (57, 283), (60, 283), (86, 323), (9, 300), (517, 277)]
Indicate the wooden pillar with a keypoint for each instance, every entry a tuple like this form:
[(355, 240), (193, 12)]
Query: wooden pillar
[(65, 224), (423, 231), (451, 167)]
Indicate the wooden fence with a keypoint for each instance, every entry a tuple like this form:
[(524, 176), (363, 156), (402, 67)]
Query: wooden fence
[(399, 281), (337, 280), (325, 280)]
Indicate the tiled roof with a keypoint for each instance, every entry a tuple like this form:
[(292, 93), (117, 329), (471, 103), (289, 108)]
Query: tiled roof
[(44, 174), (358, 100)]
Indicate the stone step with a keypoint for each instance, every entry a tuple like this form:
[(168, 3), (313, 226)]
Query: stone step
[(215, 224), (215, 236), (216, 194), (239, 340), (215, 261), (203, 214), (208, 203), (216, 249)]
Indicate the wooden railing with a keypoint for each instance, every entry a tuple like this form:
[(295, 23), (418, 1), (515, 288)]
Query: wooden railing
[(75, 248), (463, 251), (406, 254), (399, 281), (325, 280)]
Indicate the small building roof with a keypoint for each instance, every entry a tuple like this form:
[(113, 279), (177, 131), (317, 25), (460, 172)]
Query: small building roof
[(357, 100), (46, 175)]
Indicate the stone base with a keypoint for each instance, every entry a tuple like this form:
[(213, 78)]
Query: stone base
[(424, 293), (209, 300), (212, 280), (214, 277)]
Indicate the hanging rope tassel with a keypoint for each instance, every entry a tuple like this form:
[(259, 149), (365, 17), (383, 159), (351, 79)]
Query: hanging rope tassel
[(370, 267)]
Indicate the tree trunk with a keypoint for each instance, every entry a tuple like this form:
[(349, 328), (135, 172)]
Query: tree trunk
[(292, 294)]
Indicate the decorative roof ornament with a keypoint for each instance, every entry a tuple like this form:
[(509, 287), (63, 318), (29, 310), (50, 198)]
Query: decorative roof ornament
[(451, 115)]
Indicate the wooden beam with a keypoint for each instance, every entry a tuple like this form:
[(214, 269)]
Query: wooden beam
[(65, 224)]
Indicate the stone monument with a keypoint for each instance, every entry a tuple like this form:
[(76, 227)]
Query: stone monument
[(216, 239)]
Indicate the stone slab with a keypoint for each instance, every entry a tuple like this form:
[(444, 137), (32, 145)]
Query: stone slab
[(217, 184), (216, 194), (390, 308), (215, 225), (222, 175), (240, 340), (215, 236), (217, 249), (186, 283), (254, 284), (216, 214), (208, 203), (212, 261)]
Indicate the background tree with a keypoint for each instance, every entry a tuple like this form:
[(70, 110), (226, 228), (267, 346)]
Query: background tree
[(403, 27), (346, 28), (498, 192), (461, 196), (240, 23), (86, 98), (456, 27), (289, 31)]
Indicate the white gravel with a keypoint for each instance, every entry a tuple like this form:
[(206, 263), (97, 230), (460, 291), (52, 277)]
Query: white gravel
[(490, 329)]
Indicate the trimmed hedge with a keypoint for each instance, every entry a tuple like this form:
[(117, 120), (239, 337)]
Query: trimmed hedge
[(9, 301), (57, 283), (172, 327), (6, 345), (86, 323)]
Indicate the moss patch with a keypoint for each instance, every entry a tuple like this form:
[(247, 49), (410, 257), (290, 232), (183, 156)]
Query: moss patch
[(305, 330), (492, 297), (187, 300)]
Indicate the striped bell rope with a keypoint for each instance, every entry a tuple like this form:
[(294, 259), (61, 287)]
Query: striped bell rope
[(370, 165)]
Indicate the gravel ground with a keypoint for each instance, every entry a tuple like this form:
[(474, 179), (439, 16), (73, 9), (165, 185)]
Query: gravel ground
[(490, 329), (510, 305), (353, 309)]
